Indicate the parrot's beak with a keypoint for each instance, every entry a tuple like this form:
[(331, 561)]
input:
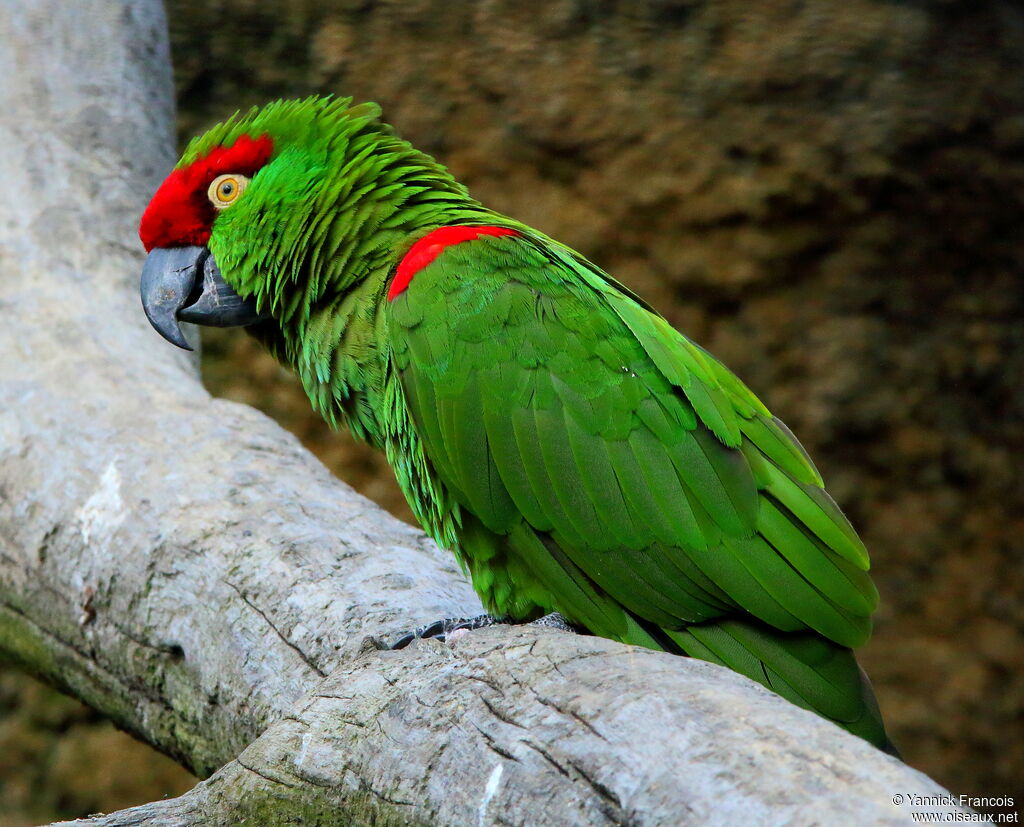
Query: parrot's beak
[(185, 284)]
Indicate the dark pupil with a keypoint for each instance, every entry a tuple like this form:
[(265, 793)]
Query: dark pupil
[(226, 189)]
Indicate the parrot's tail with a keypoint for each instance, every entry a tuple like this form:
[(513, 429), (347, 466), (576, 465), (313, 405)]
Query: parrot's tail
[(803, 667)]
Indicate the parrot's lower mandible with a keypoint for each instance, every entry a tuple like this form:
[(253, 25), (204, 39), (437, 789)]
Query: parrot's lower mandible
[(575, 452)]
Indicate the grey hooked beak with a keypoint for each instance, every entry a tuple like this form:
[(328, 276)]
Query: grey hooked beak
[(185, 284)]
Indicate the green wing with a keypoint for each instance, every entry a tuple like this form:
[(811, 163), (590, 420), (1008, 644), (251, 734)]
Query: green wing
[(623, 475)]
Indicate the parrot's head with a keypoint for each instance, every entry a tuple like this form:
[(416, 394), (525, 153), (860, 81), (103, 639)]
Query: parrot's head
[(259, 220)]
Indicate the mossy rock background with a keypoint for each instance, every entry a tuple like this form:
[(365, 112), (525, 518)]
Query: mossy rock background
[(827, 196)]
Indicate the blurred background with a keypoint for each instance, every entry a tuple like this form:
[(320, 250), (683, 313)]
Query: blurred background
[(828, 196)]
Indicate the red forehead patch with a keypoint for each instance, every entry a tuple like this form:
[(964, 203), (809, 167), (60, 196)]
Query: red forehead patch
[(180, 213)]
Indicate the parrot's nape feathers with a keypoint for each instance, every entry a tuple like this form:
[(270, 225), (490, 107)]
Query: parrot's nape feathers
[(577, 453)]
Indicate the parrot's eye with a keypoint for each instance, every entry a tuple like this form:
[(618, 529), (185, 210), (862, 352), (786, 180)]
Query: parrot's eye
[(225, 189)]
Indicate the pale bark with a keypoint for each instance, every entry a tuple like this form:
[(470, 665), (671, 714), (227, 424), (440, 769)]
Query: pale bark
[(184, 566)]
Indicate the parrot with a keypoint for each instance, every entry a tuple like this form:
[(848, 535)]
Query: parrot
[(580, 456)]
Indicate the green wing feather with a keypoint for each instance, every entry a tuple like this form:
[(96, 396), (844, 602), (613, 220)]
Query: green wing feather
[(611, 469)]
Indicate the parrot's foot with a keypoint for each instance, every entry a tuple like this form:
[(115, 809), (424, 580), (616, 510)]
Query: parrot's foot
[(444, 629), (555, 621), (452, 628)]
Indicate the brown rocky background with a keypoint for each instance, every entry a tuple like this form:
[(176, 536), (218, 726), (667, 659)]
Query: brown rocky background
[(829, 196)]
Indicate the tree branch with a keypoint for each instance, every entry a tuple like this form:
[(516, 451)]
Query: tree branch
[(184, 566)]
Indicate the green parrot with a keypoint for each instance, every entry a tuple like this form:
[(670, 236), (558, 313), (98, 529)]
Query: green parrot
[(575, 452)]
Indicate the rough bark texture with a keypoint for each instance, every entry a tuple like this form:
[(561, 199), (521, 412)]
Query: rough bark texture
[(186, 567), (536, 727), (828, 195)]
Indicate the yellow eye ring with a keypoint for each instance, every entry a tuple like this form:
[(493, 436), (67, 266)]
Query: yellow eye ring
[(225, 189)]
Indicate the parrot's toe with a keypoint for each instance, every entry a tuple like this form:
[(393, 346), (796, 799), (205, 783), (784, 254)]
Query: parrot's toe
[(451, 629), (555, 621), (442, 629)]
